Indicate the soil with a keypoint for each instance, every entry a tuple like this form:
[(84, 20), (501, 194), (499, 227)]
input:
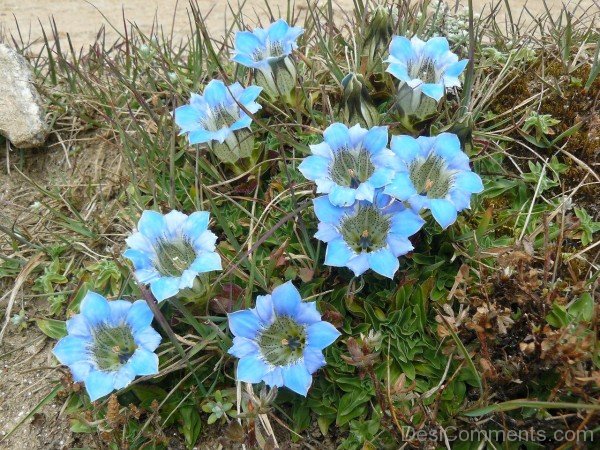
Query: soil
[(28, 371)]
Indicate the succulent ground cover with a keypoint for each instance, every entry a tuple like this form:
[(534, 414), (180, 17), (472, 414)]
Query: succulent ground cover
[(484, 319)]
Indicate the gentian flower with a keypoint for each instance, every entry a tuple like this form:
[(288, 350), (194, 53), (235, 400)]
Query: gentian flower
[(350, 163), (426, 70), (268, 53), (169, 251), (109, 344), (280, 341), (216, 119), (366, 235), (434, 174)]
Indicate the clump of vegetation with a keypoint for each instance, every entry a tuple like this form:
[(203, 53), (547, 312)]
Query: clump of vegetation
[(489, 320)]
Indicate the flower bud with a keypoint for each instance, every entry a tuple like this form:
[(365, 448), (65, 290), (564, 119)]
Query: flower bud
[(278, 78), (378, 35), (358, 106)]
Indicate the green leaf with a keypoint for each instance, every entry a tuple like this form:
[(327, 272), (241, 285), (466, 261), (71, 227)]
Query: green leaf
[(191, 424), (351, 406), (523, 403), (55, 329), (558, 316), (583, 308)]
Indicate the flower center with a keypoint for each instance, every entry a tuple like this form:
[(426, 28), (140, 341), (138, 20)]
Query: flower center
[(367, 230), (273, 49), (283, 342), (431, 176), (221, 117), (173, 257), (112, 346), (351, 167), (423, 70)]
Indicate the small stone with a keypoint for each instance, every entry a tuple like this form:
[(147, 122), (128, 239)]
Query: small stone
[(22, 111)]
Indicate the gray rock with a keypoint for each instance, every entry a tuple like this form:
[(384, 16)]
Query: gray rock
[(22, 111)]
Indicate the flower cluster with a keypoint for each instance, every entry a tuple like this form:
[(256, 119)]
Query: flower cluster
[(373, 194)]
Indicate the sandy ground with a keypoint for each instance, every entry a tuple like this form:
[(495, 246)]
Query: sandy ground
[(81, 19)]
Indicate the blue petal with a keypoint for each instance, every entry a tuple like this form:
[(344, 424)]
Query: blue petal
[(146, 276), (400, 71), (401, 187), (264, 309), (376, 139), (342, 195), (278, 30), (326, 212), (326, 232), (381, 177), (215, 93), (313, 359), (187, 117), (152, 224), (399, 245), (357, 134), (324, 185), (248, 96), (246, 60), (207, 262), (286, 299), (99, 383), (206, 242), (123, 377), (297, 378), (118, 311), (314, 167), (469, 182), (95, 308), (164, 288), (461, 199), (201, 136), (384, 262), (307, 313), (80, 370), (140, 259), (139, 316), (433, 90), (175, 220), (71, 349), (402, 49), (186, 280), (436, 47), (405, 147), (195, 225), (78, 326), (138, 241), (244, 323), (246, 42), (147, 338), (274, 377), (447, 145), (322, 149), (365, 191), (406, 223), (321, 334), (419, 202), (359, 264), (337, 136), (243, 347), (338, 253), (251, 369), (454, 70), (443, 211), (143, 362)]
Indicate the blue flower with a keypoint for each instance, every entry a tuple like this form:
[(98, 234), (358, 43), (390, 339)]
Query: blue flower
[(108, 344), (429, 67), (434, 174), (366, 235), (268, 53), (169, 251), (216, 118), (280, 341), (350, 164)]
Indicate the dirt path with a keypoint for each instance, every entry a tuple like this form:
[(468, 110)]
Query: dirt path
[(81, 19)]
